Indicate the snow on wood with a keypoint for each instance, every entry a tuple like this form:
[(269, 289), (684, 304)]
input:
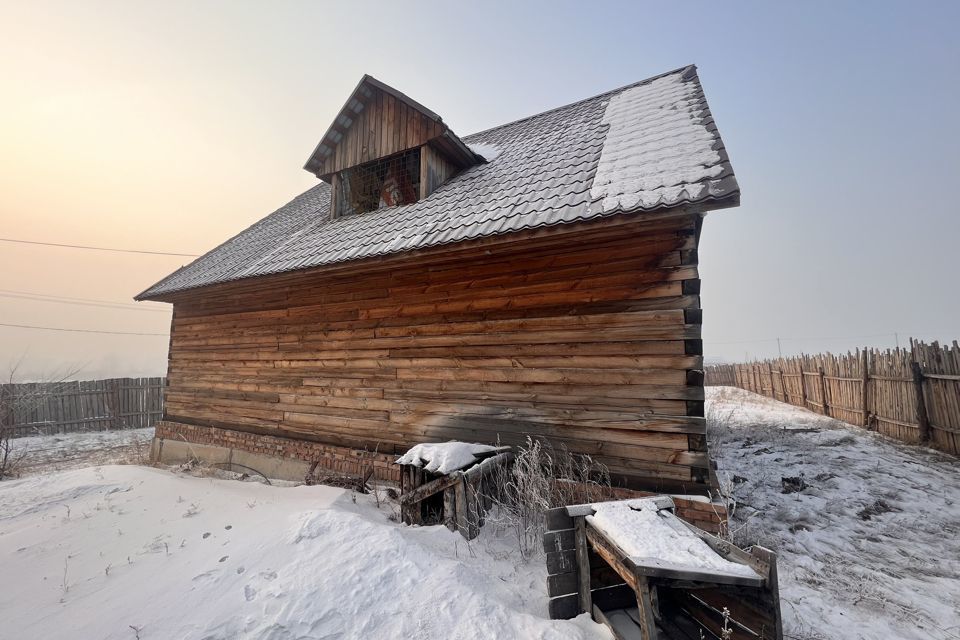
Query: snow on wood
[(656, 148), (444, 457), (647, 537)]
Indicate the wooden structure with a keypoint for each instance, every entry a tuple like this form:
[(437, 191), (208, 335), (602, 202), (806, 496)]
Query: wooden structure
[(508, 302), (911, 394), (458, 499), (589, 572), (377, 128)]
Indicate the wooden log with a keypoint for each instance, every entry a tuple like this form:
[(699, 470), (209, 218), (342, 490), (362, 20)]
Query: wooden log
[(583, 563)]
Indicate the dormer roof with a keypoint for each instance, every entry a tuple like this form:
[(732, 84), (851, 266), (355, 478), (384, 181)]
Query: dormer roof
[(377, 121)]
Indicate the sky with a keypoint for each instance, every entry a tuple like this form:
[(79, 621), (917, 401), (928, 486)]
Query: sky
[(171, 126)]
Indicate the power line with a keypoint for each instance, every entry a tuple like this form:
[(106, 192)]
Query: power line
[(118, 333), (107, 304), (80, 246)]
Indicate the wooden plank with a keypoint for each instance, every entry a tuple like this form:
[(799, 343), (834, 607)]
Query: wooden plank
[(583, 564), (558, 540), (921, 407), (648, 625), (430, 488), (450, 508), (564, 607), (561, 584)]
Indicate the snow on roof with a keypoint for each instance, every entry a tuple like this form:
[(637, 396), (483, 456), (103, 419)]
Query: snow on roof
[(651, 145), (657, 148), (444, 457), (649, 538), (486, 151)]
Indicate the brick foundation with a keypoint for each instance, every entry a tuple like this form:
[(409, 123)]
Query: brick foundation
[(709, 516), (332, 458)]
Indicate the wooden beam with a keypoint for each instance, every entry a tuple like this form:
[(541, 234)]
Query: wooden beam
[(583, 563)]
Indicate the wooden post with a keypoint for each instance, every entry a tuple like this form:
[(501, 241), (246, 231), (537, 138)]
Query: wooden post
[(783, 384), (648, 625), (803, 387), (450, 508), (823, 391), (922, 419), (583, 564), (770, 595), (864, 363)]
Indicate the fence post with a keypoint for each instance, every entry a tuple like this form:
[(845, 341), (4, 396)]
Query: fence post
[(865, 373), (922, 419), (803, 387), (783, 384), (823, 391)]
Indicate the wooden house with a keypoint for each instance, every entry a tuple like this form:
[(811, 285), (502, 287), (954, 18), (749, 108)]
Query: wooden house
[(538, 279)]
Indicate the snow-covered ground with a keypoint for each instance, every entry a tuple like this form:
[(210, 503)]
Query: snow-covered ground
[(42, 454), (126, 552), (869, 548)]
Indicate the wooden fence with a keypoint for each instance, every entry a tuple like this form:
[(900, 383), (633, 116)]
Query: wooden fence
[(911, 394), (88, 405)]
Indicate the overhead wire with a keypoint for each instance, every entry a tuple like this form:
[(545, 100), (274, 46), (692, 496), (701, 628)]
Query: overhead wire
[(107, 304), (72, 330), (91, 248)]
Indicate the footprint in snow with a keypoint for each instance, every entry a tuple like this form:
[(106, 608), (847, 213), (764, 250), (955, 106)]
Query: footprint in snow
[(228, 527), (249, 593), (206, 535), (240, 570), (223, 559), (268, 575)]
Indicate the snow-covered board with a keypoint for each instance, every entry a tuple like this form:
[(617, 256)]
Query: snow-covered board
[(612, 559)]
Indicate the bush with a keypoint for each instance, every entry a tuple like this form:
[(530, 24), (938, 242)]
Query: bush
[(541, 477)]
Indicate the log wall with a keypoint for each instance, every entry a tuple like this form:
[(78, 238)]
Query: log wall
[(589, 338)]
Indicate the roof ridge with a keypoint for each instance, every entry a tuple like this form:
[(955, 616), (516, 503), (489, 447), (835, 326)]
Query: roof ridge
[(611, 92)]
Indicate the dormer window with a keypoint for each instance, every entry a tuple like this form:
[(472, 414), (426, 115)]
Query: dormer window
[(385, 149), (387, 182)]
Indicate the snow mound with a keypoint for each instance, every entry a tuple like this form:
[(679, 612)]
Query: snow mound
[(444, 457), (648, 538), (486, 151), (105, 551)]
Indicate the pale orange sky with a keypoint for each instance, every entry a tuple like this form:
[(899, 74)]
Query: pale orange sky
[(171, 126)]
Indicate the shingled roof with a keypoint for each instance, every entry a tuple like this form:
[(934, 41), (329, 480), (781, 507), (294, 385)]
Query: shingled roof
[(648, 146)]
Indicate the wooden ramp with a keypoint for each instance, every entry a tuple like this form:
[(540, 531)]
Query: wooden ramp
[(734, 595)]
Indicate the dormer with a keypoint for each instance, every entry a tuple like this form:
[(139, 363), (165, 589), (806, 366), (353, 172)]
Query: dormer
[(385, 149)]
